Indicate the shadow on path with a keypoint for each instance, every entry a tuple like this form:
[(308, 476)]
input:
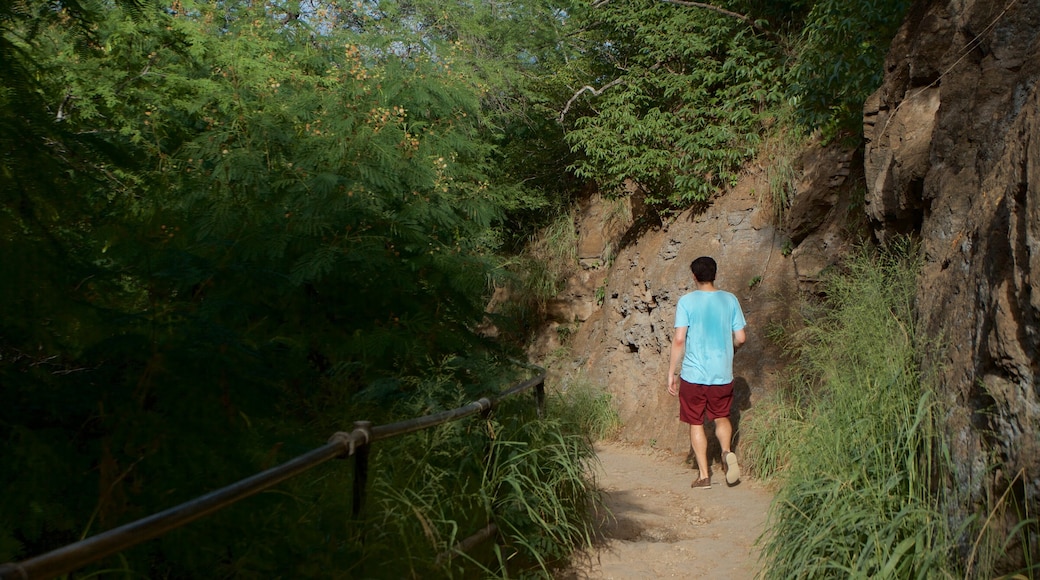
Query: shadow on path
[(658, 527)]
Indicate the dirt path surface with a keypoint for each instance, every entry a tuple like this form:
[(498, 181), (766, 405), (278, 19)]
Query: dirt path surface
[(661, 528)]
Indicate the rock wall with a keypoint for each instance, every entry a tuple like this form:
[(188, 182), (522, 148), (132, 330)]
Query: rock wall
[(624, 341), (953, 156)]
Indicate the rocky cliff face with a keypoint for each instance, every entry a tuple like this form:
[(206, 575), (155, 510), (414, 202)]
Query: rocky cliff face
[(623, 335), (953, 156), (625, 342)]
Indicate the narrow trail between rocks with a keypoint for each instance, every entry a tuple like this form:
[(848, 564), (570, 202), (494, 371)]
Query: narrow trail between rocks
[(661, 528)]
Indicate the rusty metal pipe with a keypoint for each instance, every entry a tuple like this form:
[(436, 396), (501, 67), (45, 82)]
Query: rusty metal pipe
[(420, 423), (73, 556), (341, 444)]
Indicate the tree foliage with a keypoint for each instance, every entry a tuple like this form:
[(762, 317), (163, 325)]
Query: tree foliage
[(232, 227), (691, 86), (676, 95), (840, 62)]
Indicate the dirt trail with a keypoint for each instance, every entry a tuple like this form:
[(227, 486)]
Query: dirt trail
[(661, 528)]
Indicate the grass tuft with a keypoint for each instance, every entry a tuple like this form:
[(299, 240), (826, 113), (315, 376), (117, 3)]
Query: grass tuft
[(587, 407), (780, 151)]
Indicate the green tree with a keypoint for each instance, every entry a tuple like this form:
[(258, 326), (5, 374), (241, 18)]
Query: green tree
[(840, 61), (678, 94), (245, 229), (673, 96)]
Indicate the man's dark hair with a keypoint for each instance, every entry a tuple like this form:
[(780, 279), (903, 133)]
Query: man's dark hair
[(704, 269)]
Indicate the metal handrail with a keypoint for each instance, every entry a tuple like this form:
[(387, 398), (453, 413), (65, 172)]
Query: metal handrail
[(340, 445)]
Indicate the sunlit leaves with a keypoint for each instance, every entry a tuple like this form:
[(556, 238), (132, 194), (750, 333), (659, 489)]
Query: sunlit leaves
[(685, 111)]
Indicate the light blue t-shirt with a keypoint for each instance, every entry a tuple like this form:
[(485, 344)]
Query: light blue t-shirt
[(711, 318)]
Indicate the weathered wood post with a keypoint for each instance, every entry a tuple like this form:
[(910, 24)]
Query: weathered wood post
[(539, 397), (361, 466)]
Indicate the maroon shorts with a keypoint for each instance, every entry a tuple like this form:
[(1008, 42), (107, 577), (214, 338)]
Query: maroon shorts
[(695, 399)]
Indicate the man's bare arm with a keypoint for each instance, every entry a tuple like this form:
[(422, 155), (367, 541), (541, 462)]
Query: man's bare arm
[(678, 351)]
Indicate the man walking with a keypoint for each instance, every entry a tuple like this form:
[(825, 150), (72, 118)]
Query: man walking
[(709, 327)]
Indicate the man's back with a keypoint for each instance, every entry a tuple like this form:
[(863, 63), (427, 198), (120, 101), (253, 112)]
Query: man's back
[(711, 318)]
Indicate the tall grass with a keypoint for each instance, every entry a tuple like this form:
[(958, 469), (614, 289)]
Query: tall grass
[(554, 253), (778, 153), (586, 407), (534, 277), (1007, 536), (431, 490), (853, 439)]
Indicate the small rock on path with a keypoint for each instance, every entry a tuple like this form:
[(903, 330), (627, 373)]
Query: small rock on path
[(661, 528)]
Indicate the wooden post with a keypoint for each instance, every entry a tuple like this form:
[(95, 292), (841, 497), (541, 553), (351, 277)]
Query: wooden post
[(539, 398), (361, 467)]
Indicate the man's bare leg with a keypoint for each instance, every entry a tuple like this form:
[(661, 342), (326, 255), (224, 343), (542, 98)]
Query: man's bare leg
[(724, 431), (699, 441)]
